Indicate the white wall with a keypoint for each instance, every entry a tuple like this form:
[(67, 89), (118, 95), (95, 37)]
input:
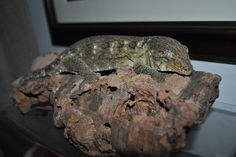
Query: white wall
[(216, 137), (148, 10)]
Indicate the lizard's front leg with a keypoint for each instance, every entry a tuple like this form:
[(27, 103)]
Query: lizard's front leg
[(141, 68)]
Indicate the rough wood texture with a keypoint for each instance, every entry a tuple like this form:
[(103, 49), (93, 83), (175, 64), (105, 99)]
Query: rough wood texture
[(124, 113)]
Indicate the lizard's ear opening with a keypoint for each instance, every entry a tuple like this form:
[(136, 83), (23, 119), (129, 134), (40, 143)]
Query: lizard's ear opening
[(186, 48)]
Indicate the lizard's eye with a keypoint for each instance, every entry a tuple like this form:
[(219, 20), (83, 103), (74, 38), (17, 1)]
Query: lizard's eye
[(187, 70)]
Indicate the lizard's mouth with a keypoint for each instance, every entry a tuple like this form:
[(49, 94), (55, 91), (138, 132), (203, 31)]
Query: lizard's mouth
[(182, 71)]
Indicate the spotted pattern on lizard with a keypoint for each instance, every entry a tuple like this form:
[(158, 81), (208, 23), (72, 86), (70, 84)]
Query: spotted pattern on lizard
[(107, 52)]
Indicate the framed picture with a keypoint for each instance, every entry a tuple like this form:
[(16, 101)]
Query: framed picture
[(208, 30)]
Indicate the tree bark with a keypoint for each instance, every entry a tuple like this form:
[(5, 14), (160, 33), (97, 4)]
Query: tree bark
[(124, 113)]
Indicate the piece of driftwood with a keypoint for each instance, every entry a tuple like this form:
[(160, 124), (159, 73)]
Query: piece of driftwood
[(124, 113)]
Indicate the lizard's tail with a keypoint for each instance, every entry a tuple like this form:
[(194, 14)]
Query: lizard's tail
[(46, 71), (39, 73)]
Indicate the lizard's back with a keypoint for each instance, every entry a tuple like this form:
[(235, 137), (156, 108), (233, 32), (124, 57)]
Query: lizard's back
[(160, 53), (107, 52)]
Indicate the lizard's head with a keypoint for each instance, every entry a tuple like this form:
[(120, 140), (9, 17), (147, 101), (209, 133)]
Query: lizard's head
[(169, 54)]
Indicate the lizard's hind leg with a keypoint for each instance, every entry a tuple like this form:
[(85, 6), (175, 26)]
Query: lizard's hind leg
[(74, 65)]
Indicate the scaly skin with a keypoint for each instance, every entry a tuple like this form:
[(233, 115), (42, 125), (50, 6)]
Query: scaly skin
[(101, 53)]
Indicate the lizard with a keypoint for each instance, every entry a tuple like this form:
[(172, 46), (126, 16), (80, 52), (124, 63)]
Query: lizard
[(94, 54)]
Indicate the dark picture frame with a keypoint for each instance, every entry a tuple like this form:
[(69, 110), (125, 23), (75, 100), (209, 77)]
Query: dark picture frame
[(213, 41)]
